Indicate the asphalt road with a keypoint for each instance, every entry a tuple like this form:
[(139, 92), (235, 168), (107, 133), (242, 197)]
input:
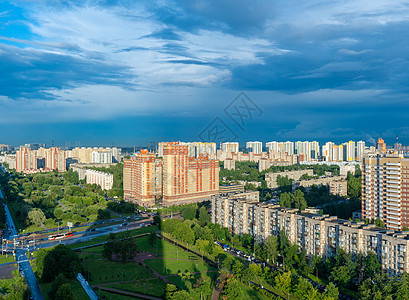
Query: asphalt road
[(21, 258)]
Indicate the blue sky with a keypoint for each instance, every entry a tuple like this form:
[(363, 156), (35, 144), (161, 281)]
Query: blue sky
[(130, 72)]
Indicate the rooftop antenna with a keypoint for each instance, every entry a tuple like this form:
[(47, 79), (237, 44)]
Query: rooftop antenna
[(52, 143)]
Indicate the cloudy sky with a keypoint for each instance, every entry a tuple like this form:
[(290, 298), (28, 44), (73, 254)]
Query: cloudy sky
[(131, 72)]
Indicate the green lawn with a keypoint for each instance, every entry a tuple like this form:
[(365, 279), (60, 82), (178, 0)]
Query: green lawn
[(104, 271), (155, 287), (6, 258), (173, 266), (104, 238), (250, 293), (112, 296)]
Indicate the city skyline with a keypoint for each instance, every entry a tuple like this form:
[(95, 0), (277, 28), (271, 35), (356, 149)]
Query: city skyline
[(126, 73)]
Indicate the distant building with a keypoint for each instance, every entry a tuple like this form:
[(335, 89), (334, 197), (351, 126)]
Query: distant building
[(26, 159), (338, 187), (229, 164), (55, 159), (104, 180), (255, 147), (271, 178), (5, 148), (381, 146), (230, 147)]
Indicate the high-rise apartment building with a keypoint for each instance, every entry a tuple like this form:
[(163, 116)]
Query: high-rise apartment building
[(381, 146), (327, 151), (314, 150), (337, 153), (385, 190), (175, 177), (55, 159), (255, 147), (303, 148), (186, 179), (360, 150), (289, 147), (26, 159), (140, 178), (349, 151), (230, 147), (272, 146)]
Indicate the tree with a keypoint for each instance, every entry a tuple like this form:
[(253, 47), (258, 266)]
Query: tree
[(189, 213), (379, 223), (58, 281), (403, 289), (181, 295), (204, 217), (331, 293), (64, 292), (157, 220), (36, 216), (285, 200), (152, 239), (271, 248), (60, 259), (232, 289), (283, 282)]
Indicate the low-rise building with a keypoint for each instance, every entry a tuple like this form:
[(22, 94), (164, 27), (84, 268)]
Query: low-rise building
[(339, 187), (271, 178)]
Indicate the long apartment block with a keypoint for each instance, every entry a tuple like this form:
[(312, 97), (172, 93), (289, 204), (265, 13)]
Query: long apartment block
[(317, 234)]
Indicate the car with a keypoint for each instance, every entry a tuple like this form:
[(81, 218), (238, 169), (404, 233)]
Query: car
[(124, 224)]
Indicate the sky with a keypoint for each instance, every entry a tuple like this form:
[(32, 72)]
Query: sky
[(131, 72)]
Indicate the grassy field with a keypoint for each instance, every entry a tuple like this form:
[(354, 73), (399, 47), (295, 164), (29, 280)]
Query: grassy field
[(104, 271), (104, 238), (112, 296), (250, 293), (154, 287), (6, 259)]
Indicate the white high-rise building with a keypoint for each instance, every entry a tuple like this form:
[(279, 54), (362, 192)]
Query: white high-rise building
[(349, 151), (273, 146), (289, 147), (314, 149), (303, 148), (230, 147), (102, 156), (255, 147), (360, 150), (327, 151)]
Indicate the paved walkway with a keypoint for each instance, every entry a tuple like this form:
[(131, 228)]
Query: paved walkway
[(88, 289)]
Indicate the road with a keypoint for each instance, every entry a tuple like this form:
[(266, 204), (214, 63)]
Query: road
[(21, 258)]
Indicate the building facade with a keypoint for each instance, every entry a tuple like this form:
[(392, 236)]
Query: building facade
[(55, 159), (104, 180), (140, 178), (186, 179), (317, 234), (385, 190), (26, 159)]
